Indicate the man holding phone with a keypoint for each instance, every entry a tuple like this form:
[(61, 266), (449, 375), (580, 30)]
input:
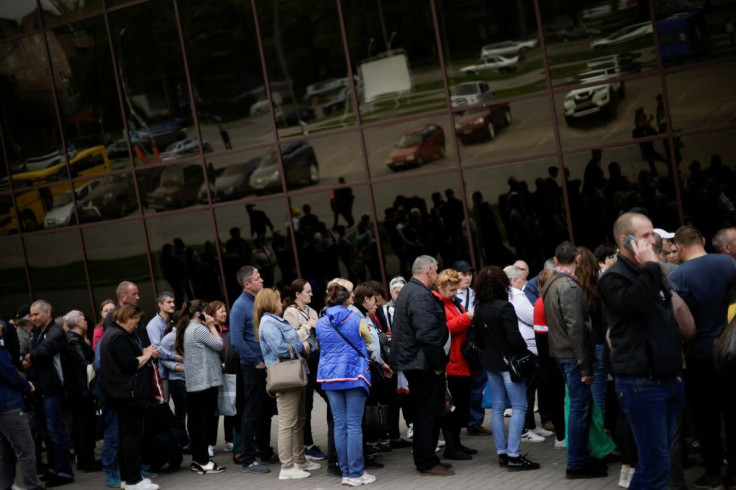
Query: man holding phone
[(646, 352)]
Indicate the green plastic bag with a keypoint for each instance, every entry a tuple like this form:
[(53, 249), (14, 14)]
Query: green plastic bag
[(599, 444)]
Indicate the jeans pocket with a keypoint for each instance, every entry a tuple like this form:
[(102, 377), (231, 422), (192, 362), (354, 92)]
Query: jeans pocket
[(642, 385)]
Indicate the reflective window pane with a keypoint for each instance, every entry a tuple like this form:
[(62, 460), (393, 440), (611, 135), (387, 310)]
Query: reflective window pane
[(229, 176), (58, 278), (116, 253), (32, 206), (110, 197), (18, 17), (68, 10), (416, 144), (184, 256), (14, 287), (171, 187)]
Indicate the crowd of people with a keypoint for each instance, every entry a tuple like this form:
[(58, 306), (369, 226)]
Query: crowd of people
[(615, 346)]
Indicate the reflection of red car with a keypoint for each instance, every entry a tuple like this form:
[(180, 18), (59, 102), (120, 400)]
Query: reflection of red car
[(417, 146), (482, 122)]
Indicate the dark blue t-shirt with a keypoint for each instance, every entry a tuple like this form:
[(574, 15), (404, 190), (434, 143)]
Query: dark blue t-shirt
[(702, 282)]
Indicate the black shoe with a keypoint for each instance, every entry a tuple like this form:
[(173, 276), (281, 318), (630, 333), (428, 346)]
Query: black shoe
[(58, 481), (503, 460), (468, 450), (384, 448), (401, 443), (372, 463), (334, 470), (457, 455), (707, 482), (586, 471), (520, 463), (272, 459)]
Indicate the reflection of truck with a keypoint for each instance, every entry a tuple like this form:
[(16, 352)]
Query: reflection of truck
[(682, 36), (32, 205)]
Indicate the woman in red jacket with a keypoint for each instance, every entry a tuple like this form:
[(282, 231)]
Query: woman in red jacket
[(458, 372)]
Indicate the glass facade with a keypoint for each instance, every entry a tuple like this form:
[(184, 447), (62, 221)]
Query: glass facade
[(170, 142)]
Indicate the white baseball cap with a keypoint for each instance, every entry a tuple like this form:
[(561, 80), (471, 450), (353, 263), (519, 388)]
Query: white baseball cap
[(665, 235)]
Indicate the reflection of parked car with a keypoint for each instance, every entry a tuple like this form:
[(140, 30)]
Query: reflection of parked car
[(62, 210), (261, 107), (506, 48), (185, 148), (482, 122), (292, 117), (177, 188), (469, 93), (492, 63), (231, 182), (417, 146), (573, 33), (324, 87), (593, 100), (300, 164), (119, 149), (337, 103), (624, 35), (114, 197), (621, 63)]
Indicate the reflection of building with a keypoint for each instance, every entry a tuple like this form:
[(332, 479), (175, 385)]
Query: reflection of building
[(519, 179)]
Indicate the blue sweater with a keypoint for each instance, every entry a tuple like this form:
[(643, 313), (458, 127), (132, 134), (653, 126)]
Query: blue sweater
[(242, 336), (340, 367)]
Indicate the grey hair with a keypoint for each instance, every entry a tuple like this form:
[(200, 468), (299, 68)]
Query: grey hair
[(422, 263), (163, 295), (43, 305), (123, 288), (245, 273), (550, 264), (512, 271), (72, 318)]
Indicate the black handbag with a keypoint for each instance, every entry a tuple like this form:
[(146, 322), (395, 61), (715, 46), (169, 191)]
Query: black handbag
[(472, 352), (521, 366)]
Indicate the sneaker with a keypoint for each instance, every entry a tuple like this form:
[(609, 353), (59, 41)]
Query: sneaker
[(440, 443), (144, 484), (384, 448), (273, 459), (561, 444), (410, 431), (228, 447), (57, 481), (507, 412), (520, 463), (293, 473), (210, 467), (457, 455), (530, 436), (211, 451), (705, 482), (624, 478), (255, 467), (364, 479), (313, 452), (308, 466), (334, 470), (113, 479), (372, 463), (543, 432)]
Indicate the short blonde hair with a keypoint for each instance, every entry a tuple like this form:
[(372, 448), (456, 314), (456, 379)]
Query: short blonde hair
[(342, 282), (267, 301), (448, 278)]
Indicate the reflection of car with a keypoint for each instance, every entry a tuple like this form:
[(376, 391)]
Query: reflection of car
[(469, 93), (232, 182), (572, 33), (621, 63), (114, 197), (177, 188), (292, 117), (324, 87), (508, 48), (62, 210), (337, 103), (261, 107), (185, 148), (482, 122), (593, 100), (597, 12), (119, 149), (300, 164), (624, 35), (492, 63), (417, 146)]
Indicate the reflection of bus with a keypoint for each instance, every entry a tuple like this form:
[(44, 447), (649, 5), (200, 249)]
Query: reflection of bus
[(33, 204), (683, 35)]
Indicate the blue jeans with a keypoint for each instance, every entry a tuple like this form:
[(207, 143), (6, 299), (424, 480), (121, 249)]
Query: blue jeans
[(53, 431), (110, 442), (600, 384), (477, 412), (347, 410), (501, 385), (653, 407), (581, 413)]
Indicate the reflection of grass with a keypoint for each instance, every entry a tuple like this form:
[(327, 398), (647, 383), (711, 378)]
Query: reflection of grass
[(529, 88), (565, 72), (589, 54)]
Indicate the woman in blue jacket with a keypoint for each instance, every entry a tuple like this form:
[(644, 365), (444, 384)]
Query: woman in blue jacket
[(344, 374)]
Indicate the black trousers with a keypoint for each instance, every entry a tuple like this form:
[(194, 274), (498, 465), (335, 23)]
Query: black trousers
[(555, 386), (427, 398), (130, 433), (258, 409), (453, 422), (178, 392), (201, 409), (83, 429)]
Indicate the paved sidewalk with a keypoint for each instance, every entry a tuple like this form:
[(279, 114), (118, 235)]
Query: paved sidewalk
[(482, 472)]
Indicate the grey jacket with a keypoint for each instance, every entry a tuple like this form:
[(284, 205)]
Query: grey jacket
[(570, 330)]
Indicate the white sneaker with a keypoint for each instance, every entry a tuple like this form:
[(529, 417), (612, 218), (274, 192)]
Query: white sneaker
[(211, 451), (228, 447), (143, 485), (210, 467), (410, 431), (541, 431), (293, 473), (440, 443), (561, 444), (507, 412), (530, 436), (364, 479), (309, 466)]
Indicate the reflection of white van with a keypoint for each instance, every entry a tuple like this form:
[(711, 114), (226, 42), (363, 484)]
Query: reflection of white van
[(624, 63)]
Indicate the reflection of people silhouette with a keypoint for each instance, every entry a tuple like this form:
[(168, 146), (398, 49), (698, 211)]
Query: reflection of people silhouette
[(174, 272), (643, 129), (341, 202), (225, 138), (259, 222)]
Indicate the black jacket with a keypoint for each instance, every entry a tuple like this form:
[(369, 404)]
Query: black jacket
[(645, 337), (75, 361), (500, 318), (46, 357), (419, 331), (123, 384)]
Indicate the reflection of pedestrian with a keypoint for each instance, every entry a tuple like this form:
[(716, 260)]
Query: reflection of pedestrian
[(643, 129), (341, 201), (225, 138), (661, 118), (259, 222)]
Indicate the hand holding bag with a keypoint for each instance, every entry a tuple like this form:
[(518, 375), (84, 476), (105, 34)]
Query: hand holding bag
[(521, 365), (287, 375)]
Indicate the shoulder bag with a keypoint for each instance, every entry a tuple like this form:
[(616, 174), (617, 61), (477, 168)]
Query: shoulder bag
[(521, 365), (286, 375), (472, 352)]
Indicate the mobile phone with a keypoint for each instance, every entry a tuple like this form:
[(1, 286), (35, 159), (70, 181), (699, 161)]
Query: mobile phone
[(201, 316), (627, 242)]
